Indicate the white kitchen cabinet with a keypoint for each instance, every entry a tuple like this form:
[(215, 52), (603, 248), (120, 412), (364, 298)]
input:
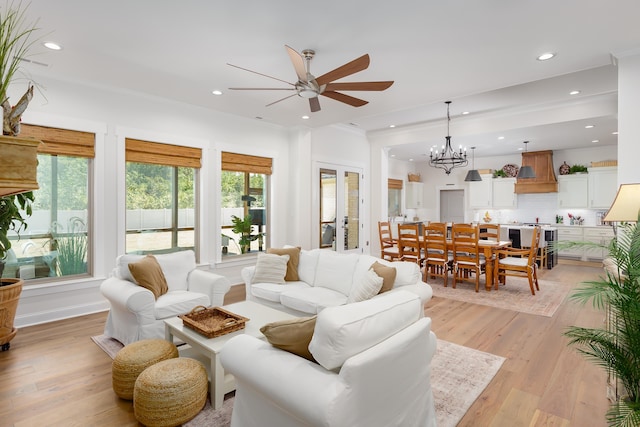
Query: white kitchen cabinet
[(504, 195), (600, 235), (570, 234), (603, 186), (413, 195), (480, 192), (573, 191)]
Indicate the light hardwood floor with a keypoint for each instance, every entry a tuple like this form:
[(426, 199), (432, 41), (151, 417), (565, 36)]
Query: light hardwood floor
[(54, 375)]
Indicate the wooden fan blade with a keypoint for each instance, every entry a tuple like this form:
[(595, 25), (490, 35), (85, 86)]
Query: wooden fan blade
[(345, 70), (359, 86), (298, 63), (355, 102), (260, 74), (314, 104), (262, 88), (282, 99)]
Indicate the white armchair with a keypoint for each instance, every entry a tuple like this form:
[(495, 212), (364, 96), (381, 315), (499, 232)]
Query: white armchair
[(135, 314), (373, 370)]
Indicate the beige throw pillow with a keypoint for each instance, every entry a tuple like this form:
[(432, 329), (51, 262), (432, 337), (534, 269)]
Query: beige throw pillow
[(270, 268), (292, 265), (148, 274), (366, 287), (293, 335), (388, 275)]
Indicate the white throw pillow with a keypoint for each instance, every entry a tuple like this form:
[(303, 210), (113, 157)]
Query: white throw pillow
[(270, 268), (366, 286)]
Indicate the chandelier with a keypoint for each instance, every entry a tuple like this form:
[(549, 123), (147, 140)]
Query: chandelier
[(448, 158)]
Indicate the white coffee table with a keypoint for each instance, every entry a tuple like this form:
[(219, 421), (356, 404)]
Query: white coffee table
[(208, 348)]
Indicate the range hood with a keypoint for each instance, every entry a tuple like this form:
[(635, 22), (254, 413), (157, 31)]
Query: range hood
[(545, 180)]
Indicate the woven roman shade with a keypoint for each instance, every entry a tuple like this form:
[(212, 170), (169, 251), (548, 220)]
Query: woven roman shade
[(394, 184), (162, 154), (246, 163), (61, 141)]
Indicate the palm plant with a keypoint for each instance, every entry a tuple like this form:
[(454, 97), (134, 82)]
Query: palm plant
[(244, 228), (616, 348), (11, 218)]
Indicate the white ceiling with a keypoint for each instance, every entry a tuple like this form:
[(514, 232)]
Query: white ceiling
[(479, 54)]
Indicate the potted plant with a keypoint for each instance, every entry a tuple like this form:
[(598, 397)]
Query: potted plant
[(244, 228), (616, 347), (499, 173), (578, 169), (11, 218)]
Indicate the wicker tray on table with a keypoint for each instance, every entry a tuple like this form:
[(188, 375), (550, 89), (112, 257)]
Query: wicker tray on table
[(213, 322)]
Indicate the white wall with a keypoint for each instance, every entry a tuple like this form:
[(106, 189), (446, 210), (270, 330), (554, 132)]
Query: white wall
[(114, 115)]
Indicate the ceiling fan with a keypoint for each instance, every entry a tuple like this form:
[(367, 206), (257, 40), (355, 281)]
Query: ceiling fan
[(310, 87)]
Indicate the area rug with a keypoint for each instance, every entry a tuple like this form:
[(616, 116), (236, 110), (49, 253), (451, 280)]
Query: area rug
[(458, 376), (515, 295)]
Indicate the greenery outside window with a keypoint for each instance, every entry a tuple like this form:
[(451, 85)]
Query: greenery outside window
[(244, 195), (161, 198), (57, 240)]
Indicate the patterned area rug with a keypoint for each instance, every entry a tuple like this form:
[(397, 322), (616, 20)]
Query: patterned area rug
[(515, 295), (458, 376)]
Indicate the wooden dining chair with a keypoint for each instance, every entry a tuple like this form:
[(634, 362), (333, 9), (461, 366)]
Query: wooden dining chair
[(519, 262), (468, 265), (437, 261), (388, 248), (409, 243), (490, 232)]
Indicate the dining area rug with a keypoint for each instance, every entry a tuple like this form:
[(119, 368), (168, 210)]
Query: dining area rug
[(459, 375), (515, 295)]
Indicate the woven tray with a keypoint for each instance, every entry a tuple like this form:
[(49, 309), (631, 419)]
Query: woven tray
[(213, 322)]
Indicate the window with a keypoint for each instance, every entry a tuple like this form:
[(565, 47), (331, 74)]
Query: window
[(57, 240), (244, 184), (161, 197), (395, 197)]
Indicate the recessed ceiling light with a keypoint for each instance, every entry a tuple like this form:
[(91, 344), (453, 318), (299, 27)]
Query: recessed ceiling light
[(595, 140), (614, 133), (589, 126), (52, 45), (501, 137), (305, 117), (546, 56), (411, 160), (216, 92), (393, 155), (520, 148), (574, 92), (392, 126), (464, 113)]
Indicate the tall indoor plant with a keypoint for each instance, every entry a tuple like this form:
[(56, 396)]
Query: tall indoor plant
[(616, 347)]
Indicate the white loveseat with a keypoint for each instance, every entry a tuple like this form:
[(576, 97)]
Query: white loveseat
[(325, 280), (135, 314), (373, 370)]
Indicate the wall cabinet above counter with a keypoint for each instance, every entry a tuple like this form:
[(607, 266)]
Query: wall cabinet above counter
[(492, 193), (595, 190)]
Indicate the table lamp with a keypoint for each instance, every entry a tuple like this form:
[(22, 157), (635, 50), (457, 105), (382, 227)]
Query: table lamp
[(626, 205)]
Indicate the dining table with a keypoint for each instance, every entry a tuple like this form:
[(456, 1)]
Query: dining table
[(487, 247)]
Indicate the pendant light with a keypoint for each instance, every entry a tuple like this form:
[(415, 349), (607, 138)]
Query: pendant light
[(473, 174), (448, 158), (526, 171)]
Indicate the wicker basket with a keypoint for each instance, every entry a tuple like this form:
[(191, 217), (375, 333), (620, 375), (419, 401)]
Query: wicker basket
[(414, 177), (604, 163), (213, 321)]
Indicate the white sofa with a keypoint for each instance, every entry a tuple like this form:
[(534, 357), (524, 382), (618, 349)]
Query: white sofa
[(373, 370), (135, 314), (326, 279)]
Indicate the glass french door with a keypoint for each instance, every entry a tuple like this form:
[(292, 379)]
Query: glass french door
[(340, 207)]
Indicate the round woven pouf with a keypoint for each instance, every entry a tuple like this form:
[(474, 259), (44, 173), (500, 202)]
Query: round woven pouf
[(170, 392), (135, 358)]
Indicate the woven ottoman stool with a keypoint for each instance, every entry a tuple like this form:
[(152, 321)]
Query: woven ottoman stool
[(135, 358), (170, 392)]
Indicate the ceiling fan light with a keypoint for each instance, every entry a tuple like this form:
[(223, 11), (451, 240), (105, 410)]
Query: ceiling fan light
[(308, 93), (473, 175)]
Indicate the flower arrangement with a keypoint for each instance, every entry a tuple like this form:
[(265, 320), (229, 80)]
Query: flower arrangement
[(575, 219)]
